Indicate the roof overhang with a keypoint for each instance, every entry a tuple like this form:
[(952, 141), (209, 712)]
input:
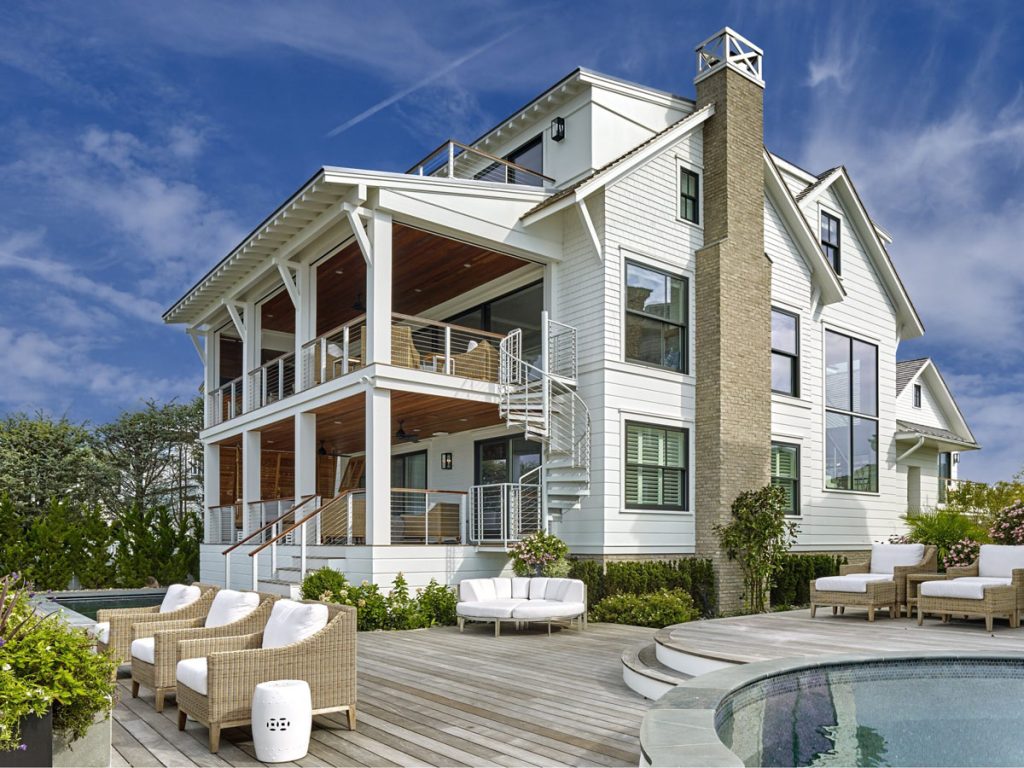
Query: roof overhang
[(939, 439)]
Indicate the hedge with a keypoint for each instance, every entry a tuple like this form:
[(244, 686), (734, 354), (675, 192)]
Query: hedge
[(792, 583), (638, 577)]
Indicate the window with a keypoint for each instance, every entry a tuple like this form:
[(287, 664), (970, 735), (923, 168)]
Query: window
[(520, 309), (786, 474), (505, 459), (408, 470), (945, 473), (917, 395), (851, 414), (830, 239), (689, 195), (529, 156), (785, 353), (656, 467), (655, 318)]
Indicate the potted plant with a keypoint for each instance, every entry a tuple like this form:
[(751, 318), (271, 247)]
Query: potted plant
[(540, 554), (56, 691)]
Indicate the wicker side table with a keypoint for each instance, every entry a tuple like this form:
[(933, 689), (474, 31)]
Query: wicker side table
[(914, 581)]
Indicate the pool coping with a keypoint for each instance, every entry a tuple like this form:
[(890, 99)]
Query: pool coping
[(46, 604), (679, 729)]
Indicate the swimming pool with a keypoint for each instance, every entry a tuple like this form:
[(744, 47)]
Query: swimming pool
[(88, 602), (903, 710)]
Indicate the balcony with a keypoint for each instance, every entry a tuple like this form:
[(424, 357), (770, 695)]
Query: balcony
[(454, 160)]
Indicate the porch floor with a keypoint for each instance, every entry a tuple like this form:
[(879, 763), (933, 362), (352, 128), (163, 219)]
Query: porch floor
[(435, 697)]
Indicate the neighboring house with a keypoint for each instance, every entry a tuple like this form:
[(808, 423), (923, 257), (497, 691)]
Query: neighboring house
[(607, 316)]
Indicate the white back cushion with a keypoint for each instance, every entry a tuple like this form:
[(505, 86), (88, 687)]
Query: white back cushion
[(538, 587), (476, 590), (230, 606), (556, 589), (996, 561), (885, 557), (178, 596), (521, 587), (503, 589), (574, 591), (291, 622)]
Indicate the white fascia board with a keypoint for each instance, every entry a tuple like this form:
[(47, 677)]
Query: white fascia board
[(625, 167), (793, 170), (785, 204), (636, 91), (408, 181), (940, 391)]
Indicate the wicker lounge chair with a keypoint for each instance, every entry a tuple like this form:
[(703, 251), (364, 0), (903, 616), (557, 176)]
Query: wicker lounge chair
[(991, 586), (216, 676), (114, 626), (879, 583), (154, 648)]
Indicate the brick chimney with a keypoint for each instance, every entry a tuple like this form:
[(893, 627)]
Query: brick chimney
[(733, 300)]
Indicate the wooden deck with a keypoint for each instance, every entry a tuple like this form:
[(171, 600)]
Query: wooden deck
[(435, 697)]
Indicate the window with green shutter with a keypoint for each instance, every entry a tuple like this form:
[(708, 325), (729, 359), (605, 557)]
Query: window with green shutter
[(786, 474), (656, 460)]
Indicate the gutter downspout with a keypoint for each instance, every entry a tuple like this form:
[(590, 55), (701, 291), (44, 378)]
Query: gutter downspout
[(914, 447)]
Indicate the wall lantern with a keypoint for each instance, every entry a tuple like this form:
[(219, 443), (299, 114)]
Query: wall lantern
[(446, 461), (558, 129)]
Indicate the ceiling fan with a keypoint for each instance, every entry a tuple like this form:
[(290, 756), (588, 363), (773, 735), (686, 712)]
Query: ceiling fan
[(322, 451), (406, 437)]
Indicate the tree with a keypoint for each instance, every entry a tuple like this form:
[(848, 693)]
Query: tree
[(986, 500), (153, 453), (156, 542)]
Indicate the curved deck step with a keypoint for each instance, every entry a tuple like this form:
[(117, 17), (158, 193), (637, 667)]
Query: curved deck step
[(643, 673)]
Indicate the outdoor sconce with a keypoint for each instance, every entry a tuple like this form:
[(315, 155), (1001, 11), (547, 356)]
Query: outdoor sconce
[(558, 129), (446, 461)]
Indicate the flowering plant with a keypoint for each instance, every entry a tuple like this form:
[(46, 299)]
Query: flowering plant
[(961, 554), (540, 554), (899, 538), (1008, 526)]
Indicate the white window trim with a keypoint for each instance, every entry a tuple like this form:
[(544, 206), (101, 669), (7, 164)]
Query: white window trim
[(798, 442), (838, 214), (800, 388), (682, 164), (658, 421)]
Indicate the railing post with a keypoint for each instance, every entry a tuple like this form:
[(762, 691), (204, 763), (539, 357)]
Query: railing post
[(273, 547), (302, 551), (227, 571), (504, 514), (348, 521), (451, 160), (449, 368), (280, 378), (426, 518), (344, 349), (255, 572)]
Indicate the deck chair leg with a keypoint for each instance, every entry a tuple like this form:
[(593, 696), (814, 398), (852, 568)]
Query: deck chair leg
[(351, 718), (497, 628), (214, 738), (182, 717), (813, 609), (988, 622), (842, 610), (835, 610), (159, 702), (920, 614), (135, 690), (462, 624), (871, 613)]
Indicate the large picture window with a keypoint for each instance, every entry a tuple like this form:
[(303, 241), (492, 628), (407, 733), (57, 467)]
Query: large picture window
[(655, 318), (786, 474), (656, 467), (785, 353), (851, 414)]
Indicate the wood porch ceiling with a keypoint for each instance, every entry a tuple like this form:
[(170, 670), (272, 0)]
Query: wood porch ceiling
[(340, 425)]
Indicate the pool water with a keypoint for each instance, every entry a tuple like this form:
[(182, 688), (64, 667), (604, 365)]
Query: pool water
[(917, 712), (88, 606)]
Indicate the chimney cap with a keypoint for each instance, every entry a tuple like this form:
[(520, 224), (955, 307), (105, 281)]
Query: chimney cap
[(728, 48)]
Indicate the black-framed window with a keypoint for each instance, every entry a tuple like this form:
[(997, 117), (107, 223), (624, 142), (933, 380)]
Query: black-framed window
[(917, 395), (529, 156), (656, 312), (656, 462), (689, 195), (785, 353), (786, 474), (505, 459), (830, 238), (945, 474), (522, 308), (851, 413)]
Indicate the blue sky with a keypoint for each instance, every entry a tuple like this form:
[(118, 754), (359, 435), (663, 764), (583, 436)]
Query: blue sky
[(140, 140)]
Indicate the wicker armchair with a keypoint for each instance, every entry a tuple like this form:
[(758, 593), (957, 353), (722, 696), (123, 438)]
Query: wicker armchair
[(481, 362), (236, 665), (121, 620), (996, 599), (890, 593), (159, 676)]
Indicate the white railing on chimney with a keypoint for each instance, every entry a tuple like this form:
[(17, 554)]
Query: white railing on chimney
[(729, 48)]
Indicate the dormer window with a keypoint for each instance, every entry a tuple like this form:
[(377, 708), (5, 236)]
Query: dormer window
[(830, 239), (917, 395)]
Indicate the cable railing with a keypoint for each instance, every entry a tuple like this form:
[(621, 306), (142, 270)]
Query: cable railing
[(272, 381), (429, 345), (335, 353), (503, 513), (225, 402), (270, 524), (455, 160), (223, 524), (421, 516)]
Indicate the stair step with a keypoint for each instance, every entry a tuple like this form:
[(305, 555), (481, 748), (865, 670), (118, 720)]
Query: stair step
[(642, 671), (279, 587)]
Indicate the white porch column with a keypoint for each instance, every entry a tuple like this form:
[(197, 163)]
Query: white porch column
[(305, 320), (251, 346), (305, 455), (211, 483), (211, 344), (378, 466), (378, 290), (251, 486)]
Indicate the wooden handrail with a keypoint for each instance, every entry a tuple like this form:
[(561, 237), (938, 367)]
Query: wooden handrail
[(423, 490), (332, 331), (273, 522), (474, 150), (303, 521), (442, 324), (237, 380), (269, 363)]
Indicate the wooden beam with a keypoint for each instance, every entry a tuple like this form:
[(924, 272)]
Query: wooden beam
[(588, 226)]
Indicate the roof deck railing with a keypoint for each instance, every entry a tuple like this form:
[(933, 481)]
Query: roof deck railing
[(454, 160)]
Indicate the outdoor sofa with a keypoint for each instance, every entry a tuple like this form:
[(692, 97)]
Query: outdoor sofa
[(879, 583), (113, 628), (993, 585), (306, 640), (154, 648), (522, 600)]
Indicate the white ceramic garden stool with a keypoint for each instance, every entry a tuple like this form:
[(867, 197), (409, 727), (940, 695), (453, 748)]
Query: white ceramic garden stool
[(282, 717)]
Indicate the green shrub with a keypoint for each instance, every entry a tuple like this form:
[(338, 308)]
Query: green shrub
[(591, 573), (637, 577), (438, 604), (325, 584), (944, 528), (655, 609), (792, 581)]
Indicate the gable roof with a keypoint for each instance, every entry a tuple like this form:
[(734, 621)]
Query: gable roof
[(619, 167), (909, 322), (907, 370), (924, 368)]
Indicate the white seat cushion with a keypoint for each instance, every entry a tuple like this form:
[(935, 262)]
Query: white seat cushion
[(489, 609), (143, 649), (178, 596), (291, 622), (535, 610), (230, 606), (997, 561), (192, 672), (477, 590), (101, 631), (885, 557), (968, 587), (854, 582)]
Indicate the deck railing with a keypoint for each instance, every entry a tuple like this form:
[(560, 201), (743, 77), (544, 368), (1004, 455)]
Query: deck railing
[(334, 353), (430, 345), (224, 403), (270, 525), (503, 513), (454, 160), (223, 524), (427, 516), (272, 381)]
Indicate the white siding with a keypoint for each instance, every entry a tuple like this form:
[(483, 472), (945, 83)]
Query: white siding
[(930, 413)]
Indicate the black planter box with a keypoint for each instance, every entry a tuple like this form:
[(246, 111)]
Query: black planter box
[(37, 734)]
